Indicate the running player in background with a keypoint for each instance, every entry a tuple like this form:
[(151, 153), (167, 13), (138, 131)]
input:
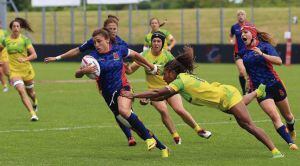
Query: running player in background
[(111, 23), (235, 38), (113, 81), (159, 56), (155, 26), (20, 53), (178, 75), (4, 68), (258, 59)]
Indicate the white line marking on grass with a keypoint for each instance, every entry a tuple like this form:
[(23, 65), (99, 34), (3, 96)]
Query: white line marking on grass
[(114, 126), (79, 81)]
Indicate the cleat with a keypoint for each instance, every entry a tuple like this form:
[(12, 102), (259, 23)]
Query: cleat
[(293, 147), (34, 118), (5, 89), (261, 91), (204, 134), (177, 140), (131, 141), (293, 135), (165, 152), (35, 108), (277, 155), (151, 143)]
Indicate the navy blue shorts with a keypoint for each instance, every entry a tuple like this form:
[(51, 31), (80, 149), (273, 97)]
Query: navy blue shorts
[(112, 99), (276, 92)]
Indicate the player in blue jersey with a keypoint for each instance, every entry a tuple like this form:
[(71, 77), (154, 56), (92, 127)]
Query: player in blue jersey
[(113, 81), (111, 23), (258, 59), (235, 38)]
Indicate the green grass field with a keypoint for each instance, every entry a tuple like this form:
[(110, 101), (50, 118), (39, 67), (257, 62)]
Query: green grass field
[(77, 128), (272, 20)]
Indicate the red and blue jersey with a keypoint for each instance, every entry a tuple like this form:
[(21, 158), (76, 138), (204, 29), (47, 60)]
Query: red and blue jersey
[(236, 31), (112, 75), (260, 70), (89, 44)]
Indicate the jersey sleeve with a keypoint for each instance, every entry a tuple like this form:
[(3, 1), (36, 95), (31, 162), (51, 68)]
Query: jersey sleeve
[(177, 85), (28, 43), (232, 31), (270, 50), (146, 41), (124, 52), (88, 45)]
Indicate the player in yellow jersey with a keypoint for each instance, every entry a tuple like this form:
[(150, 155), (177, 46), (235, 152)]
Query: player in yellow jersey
[(159, 56), (4, 69), (155, 26), (20, 52), (178, 75)]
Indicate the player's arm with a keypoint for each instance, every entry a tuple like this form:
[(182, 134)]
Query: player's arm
[(85, 70), (138, 58), (69, 54), (172, 42), (271, 58), (231, 35), (131, 68), (152, 94)]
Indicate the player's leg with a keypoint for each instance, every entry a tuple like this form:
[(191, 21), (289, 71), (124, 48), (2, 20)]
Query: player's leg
[(269, 107), (2, 79), (124, 105), (29, 86), (20, 87), (243, 118), (127, 132), (242, 74), (176, 103), (162, 108)]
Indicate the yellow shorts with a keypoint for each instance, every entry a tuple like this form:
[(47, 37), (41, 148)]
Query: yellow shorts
[(231, 97), (25, 75), (3, 57)]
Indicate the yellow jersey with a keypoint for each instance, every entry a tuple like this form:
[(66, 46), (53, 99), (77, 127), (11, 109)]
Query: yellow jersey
[(17, 48), (199, 92), (3, 55), (147, 41), (156, 81)]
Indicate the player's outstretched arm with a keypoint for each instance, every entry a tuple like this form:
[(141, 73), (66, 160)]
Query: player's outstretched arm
[(69, 54), (152, 94), (139, 59)]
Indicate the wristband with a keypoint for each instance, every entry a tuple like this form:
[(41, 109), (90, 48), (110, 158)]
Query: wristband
[(58, 58)]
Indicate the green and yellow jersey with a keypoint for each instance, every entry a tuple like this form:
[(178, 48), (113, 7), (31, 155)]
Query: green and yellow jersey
[(17, 48), (3, 56), (147, 41), (156, 81), (199, 92)]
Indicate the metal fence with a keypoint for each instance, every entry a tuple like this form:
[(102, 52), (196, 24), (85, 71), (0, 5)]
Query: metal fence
[(195, 26)]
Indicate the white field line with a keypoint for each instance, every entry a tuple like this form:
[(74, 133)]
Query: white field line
[(114, 126), (79, 81)]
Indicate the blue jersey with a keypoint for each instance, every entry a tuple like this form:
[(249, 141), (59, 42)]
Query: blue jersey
[(236, 31), (260, 70), (89, 44), (112, 75)]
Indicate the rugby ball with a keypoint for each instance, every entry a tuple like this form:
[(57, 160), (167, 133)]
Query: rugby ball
[(89, 60)]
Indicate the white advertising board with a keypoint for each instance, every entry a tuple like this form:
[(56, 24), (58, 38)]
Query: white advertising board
[(54, 3), (115, 2)]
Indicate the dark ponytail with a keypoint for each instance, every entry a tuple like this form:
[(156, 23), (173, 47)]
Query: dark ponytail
[(183, 63), (23, 24)]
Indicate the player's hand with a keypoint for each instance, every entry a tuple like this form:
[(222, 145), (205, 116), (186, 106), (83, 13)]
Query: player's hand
[(88, 69), (22, 60), (127, 94), (257, 50), (49, 59), (144, 101)]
